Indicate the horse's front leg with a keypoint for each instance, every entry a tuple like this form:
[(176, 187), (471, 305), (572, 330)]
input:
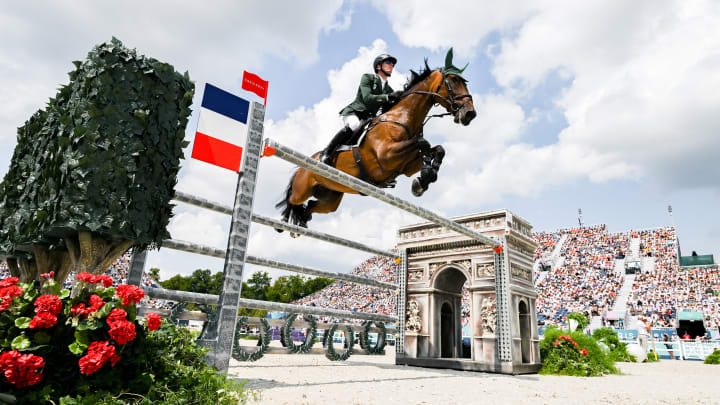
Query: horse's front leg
[(430, 160)]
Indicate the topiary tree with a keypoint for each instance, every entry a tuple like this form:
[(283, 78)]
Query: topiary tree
[(93, 173)]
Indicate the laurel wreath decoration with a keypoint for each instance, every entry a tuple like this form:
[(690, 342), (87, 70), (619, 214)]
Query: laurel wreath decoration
[(176, 311), (379, 347), (330, 352), (240, 354), (310, 334), (209, 327)]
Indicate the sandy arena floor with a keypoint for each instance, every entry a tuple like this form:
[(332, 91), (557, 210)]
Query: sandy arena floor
[(312, 379)]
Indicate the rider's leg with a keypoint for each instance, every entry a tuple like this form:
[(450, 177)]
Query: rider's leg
[(341, 138)]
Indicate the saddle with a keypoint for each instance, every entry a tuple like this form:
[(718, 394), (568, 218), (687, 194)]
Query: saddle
[(354, 145)]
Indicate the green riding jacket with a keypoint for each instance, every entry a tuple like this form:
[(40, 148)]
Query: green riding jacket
[(371, 95)]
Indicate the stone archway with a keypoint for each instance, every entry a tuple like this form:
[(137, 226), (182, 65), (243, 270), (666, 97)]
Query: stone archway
[(447, 297), (525, 332)]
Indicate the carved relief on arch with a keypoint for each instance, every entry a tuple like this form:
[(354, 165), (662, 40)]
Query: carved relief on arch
[(484, 270), (414, 318)]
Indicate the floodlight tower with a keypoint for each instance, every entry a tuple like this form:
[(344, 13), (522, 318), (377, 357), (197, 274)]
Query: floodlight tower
[(580, 221)]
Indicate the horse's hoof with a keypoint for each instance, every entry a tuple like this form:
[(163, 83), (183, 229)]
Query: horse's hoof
[(294, 235), (417, 189), (279, 230)]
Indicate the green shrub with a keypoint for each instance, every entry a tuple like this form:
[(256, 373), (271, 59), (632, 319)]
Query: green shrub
[(575, 354), (714, 358), (580, 318), (618, 350)]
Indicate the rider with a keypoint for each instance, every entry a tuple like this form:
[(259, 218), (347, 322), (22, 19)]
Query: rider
[(373, 93)]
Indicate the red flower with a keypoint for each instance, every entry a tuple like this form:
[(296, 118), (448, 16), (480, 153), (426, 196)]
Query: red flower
[(5, 304), (86, 277), (48, 303), (153, 320), (79, 309), (557, 343), (10, 291), (115, 316), (9, 281), (21, 370), (122, 332), (98, 354), (48, 275), (104, 279), (43, 320), (96, 302), (130, 294), (584, 352)]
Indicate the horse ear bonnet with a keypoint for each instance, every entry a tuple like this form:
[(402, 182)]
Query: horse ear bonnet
[(451, 69)]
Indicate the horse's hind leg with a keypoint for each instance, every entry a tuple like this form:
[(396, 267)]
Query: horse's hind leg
[(327, 200)]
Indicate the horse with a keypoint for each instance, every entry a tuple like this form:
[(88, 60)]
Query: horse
[(393, 145)]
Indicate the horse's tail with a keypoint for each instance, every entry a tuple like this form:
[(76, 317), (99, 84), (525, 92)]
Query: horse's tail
[(290, 213)]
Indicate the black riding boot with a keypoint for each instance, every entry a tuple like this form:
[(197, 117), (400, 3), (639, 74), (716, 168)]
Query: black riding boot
[(340, 138)]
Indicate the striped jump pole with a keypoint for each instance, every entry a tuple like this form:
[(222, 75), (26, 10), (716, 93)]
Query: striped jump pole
[(297, 158), (211, 299), (259, 219)]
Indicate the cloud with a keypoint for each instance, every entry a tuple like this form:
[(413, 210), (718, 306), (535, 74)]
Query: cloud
[(213, 42), (638, 100)]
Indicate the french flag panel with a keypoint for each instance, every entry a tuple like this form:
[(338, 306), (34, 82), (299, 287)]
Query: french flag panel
[(222, 128)]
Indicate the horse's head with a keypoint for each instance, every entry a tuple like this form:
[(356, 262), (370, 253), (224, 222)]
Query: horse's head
[(455, 96)]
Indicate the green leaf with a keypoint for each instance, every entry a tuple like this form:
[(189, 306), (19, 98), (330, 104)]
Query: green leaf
[(105, 310), (20, 343), (23, 322), (82, 338), (64, 293), (54, 287), (94, 325), (77, 348), (5, 342), (107, 293), (41, 338)]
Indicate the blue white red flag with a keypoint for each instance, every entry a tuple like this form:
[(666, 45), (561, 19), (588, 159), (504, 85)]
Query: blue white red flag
[(222, 128)]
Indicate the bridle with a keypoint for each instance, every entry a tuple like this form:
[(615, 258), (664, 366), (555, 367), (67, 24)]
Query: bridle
[(452, 99)]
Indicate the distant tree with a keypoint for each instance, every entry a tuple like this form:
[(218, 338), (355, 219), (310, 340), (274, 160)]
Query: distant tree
[(177, 282), (154, 274)]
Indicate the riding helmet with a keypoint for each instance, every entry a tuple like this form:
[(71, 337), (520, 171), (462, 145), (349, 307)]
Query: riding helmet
[(382, 58)]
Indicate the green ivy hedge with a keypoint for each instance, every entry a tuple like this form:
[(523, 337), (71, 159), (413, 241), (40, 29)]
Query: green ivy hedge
[(103, 155)]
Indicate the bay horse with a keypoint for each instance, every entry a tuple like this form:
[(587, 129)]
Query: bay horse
[(393, 145)]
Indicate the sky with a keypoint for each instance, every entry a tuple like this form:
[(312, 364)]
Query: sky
[(605, 106)]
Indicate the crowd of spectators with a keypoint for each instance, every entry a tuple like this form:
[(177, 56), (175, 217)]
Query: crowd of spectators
[(585, 282), (546, 243), (660, 294), (354, 297)]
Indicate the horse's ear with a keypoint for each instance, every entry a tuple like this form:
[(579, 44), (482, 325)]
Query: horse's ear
[(463, 68), (448, 59)]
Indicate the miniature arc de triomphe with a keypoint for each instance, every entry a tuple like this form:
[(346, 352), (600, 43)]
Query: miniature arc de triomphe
[(502, 323)]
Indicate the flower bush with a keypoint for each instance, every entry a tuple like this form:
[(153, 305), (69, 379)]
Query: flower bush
[(714, 358), (90, 348), (574, 354), (618, 350)]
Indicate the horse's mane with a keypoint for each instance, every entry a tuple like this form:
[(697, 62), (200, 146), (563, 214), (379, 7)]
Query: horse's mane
[(416, 77)]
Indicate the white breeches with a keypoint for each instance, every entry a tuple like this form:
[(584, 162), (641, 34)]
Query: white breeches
[(351, 121)]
